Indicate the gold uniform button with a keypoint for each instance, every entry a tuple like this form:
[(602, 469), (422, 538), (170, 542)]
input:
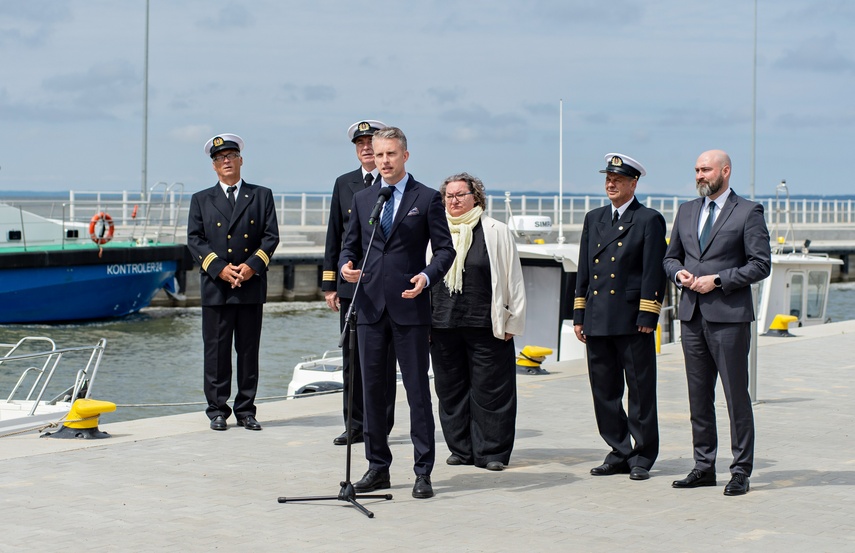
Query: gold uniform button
[(229, 236), (219, 224), (613, 275), (246, 236), (620, 227), (612, 292), (595, 277), (598, 245), (613, 259), (246, 249), (230, 250), (596, 261), (595, 292), (620, 244), (252, 221)]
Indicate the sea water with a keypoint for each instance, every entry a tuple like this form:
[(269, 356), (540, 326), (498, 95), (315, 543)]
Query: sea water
[(155, 357)]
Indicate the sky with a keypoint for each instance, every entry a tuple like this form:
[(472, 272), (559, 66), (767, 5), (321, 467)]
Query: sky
[(474, 84)]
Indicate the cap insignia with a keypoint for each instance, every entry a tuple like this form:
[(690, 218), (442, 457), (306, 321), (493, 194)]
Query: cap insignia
[(364, 126), (218, 141), (616, 161)]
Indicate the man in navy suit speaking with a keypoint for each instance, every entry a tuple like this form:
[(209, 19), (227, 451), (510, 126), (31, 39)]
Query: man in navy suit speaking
[(392, 305)]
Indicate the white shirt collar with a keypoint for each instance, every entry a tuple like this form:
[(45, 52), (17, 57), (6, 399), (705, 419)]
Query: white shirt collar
[(225, 187)]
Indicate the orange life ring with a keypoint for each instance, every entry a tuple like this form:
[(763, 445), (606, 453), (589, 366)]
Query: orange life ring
[(101, 228)]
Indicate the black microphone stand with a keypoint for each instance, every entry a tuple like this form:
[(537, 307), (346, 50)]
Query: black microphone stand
[(347, 492)]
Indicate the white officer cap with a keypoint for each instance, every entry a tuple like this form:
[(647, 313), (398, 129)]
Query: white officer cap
[(625, 165), (222, 142), (365, 128)]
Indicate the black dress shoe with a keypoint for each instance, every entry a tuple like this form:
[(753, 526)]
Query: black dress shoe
[(607, 469), (495, 465), (639, 473), (249, 423), (738, 485), (219, 423), (422, 488), (373, 480), (342, 439), (453, 460), (695, 479)]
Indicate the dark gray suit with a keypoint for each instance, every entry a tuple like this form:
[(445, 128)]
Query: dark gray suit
[(716, 326)]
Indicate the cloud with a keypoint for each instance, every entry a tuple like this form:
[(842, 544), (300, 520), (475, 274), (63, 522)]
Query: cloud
[(308, 93), (817, 54), (30, 24), (705, 117), (445, 95), (814, 120), (191, 133), (476, 123), (104, 85), (233, 16)]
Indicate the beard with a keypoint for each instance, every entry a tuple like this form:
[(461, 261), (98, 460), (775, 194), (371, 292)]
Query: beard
[(709, 188)]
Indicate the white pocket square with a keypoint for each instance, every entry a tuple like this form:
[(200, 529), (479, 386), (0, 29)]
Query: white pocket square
[(414, 211)]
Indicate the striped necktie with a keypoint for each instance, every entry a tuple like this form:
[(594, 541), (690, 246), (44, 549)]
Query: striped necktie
[(707, 230), (386, 219)]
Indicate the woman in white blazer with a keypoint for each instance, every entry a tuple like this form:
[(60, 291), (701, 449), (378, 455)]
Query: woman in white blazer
[(476, 310)]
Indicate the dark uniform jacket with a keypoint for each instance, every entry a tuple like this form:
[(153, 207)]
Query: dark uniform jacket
[(217, 236), (620, 283), (342, 198)]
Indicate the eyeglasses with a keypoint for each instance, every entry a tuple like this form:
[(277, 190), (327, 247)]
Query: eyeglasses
[(231, 157), (459, 196)]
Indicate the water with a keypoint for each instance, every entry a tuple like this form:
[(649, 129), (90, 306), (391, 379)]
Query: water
[(156, 356)]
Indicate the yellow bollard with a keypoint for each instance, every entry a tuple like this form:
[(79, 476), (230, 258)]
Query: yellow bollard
[(658, 338), (83, 420)]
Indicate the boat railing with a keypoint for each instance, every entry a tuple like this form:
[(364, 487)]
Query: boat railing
[(43, 365)]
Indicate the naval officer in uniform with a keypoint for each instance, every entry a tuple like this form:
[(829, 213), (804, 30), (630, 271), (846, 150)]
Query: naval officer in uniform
[(232, 233), (619, 291), (338, 293)]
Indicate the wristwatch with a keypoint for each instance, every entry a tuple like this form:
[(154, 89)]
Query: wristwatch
[(717, 281)]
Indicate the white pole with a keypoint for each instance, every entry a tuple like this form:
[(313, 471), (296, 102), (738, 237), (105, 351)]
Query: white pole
[(145, 112), (560, 171)]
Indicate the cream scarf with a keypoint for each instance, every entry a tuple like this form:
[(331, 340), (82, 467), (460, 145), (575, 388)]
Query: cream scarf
[(461, 237)]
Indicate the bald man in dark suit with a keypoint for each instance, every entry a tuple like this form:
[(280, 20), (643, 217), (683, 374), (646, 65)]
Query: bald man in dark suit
[(719, 247)]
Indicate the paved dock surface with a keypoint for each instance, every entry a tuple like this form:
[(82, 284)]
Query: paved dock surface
[(171, 484)]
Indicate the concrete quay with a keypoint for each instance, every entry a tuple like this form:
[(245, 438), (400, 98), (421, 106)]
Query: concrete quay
[(170, 483)]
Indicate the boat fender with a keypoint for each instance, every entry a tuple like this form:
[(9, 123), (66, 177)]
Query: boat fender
[(81, 422), (101, 228), (781, 326)]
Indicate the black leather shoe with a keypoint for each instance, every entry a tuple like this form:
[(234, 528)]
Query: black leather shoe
[(453, 460), (249, 423), (607, 469), (639, 473), (373, 480), (695, 479), (495, 465), (738, 485), (342, 439), (422, 488), (219, 423)]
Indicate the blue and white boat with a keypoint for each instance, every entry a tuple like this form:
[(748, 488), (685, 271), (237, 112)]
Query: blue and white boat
[(58, 271)]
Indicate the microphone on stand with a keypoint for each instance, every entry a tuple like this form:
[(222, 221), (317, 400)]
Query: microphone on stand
[(385, 194)]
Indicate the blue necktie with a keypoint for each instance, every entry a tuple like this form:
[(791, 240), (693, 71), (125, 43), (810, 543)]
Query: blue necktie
[(386, 219), (707, 230)]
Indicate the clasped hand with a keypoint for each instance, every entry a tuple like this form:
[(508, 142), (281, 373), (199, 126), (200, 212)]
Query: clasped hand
[(699, 284), (236, 274)]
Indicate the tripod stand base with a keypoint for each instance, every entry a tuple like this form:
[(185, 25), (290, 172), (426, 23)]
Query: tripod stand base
[(347, 494)]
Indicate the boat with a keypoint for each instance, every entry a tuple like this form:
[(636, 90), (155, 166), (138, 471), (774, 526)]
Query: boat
[(49, 380), (59, 270)]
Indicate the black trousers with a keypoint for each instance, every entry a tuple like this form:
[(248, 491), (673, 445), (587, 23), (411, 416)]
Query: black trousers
[(613, 361), (412, 349), (710, 350), (391, 385), (223, 325), (475, 380)]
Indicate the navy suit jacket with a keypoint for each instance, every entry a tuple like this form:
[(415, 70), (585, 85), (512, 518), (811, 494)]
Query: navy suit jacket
[(345, 187), (394, 261), (217, 236), (738, 251)]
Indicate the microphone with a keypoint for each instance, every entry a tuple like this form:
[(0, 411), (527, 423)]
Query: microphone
[(385, 194)]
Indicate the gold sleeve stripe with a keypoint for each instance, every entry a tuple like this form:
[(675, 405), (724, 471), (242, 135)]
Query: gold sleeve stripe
[(329, 276), (263, 256), (579, 303), (650, 306), (211, 256)]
